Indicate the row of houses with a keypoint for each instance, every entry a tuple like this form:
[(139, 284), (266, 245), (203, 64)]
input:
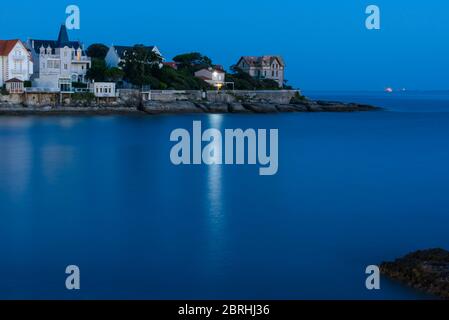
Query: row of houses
[(56, 65)]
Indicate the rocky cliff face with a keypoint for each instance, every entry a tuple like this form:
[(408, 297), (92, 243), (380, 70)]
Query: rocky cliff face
[(426, 270)]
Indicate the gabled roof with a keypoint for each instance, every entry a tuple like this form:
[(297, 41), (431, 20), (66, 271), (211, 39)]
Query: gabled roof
[(13, 80), (62, 41), (6, 46), (121, 50), (63, 36), (262, 61), (211, 70)]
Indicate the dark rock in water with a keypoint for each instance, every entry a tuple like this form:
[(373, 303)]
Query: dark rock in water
[(426, 270), (218, 107), (182, 107), (261, 107), (287, 108), (237, 107)]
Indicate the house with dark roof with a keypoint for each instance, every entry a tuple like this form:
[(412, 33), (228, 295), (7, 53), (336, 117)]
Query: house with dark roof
[(264, 67), (15, 61), (116, 54), (59, 63)]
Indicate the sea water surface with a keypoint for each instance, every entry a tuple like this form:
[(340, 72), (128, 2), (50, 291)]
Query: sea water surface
[(353, 189)]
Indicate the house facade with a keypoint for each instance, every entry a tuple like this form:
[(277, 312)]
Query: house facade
[(103, 89), (116, 54), (58, 63), (214, 77), (16, 61), (264, 67)]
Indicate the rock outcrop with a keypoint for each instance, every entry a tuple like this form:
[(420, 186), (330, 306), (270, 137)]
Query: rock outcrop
[(426, 270), (157, 107), (133, 104)]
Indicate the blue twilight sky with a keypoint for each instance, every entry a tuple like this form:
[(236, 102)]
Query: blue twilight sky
[(324, 42)]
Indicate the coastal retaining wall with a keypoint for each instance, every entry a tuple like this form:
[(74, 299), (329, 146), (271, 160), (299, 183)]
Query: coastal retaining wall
[(272, 96), (134, 98)]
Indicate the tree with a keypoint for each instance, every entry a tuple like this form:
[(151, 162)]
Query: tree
[(138, 65), (97, 71), (243, 81), (114, 74), (193, 61), (179, 80), (97, 50)]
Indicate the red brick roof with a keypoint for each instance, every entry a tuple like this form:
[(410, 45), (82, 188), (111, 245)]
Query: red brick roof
[(6, 46)]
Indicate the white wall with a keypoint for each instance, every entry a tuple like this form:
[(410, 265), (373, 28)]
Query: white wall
[(103, 89), (17, 65)]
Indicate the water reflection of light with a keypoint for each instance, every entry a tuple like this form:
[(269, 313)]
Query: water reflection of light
[(214, 173), (55, 159), (214, 198)]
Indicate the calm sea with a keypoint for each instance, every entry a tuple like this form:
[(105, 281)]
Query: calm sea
[(353, 189)]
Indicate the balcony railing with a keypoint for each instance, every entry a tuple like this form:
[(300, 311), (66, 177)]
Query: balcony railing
[(80, 60)]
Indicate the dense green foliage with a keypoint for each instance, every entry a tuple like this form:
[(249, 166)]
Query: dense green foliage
[(243, 81), (100, 72), (139, 65), (298, 99), (142, 66), (3, 91), (169, 78), (192, 62), (97, 51), (85, 97)]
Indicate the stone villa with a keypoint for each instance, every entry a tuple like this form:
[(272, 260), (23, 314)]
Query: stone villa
[(58, 63), (265, 67)]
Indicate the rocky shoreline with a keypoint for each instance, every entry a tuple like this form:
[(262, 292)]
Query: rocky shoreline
[(188, 107), (427, 271)]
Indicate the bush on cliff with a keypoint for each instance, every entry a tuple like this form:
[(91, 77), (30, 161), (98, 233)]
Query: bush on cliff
[(3, 91), (298, 99), (170, 78), (83, 97), (192, 62), (243, 81)]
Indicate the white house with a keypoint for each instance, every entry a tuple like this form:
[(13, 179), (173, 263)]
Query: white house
[(103, 89), (58, 63), (116, 54), (15, 61), (214, 77), (14, 85)]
